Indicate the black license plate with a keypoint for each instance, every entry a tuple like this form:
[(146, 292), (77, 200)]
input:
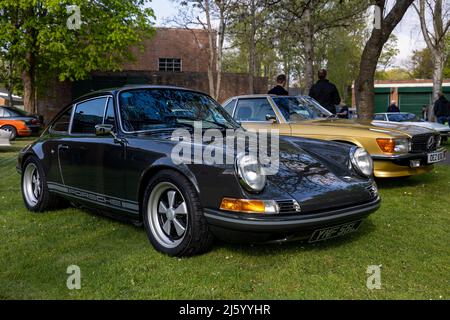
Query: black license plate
[(334, 232)]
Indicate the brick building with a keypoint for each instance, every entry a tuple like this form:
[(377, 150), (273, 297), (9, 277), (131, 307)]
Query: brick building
[(177, 57), (173, 50)]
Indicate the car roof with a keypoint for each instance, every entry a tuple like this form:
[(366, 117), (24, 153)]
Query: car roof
[(112, 91)]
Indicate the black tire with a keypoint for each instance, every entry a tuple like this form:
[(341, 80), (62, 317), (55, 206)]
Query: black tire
[(197, 237), (11, 129), (45, 200)]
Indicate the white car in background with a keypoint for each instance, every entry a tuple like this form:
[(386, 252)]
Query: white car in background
[(413, 120), (5, 136)]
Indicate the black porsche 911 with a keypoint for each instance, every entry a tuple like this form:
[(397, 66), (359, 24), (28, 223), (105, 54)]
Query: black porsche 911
[(111, 152)]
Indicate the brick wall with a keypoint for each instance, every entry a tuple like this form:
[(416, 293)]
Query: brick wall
[(53, 98), (191, 46), (59, 94), (232, 83)]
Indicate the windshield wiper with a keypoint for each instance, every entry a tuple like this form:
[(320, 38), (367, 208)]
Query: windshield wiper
[(221, 125)]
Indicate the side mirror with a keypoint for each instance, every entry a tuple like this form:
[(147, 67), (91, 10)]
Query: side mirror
[(103, 129), (271, 118)]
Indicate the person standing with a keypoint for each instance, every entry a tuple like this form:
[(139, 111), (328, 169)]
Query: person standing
[(425, 113), (393, 107), (279, 89), (441, 109), (325, 92)]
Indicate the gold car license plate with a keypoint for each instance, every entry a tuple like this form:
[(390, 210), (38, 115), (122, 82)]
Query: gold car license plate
[(436, 157)]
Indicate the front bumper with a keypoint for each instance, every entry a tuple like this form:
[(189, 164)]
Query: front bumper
[(34, 129), (394, 166), (24, 132), (258, 228)]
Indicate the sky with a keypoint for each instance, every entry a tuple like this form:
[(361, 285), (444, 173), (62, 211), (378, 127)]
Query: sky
[(408, 31)]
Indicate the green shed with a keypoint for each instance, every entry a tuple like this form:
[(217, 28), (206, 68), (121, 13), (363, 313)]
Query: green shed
[(382, 99)]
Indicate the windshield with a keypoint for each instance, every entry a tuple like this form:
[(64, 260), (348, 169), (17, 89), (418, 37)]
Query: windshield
[(150, 109), (403, 117), (296, 109)]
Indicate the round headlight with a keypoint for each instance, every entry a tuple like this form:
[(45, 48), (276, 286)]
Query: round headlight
[(250, 172), (361, 161)]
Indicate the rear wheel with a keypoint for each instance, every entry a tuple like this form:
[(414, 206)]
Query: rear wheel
[(173, 217), (35, 192), (11, 130)]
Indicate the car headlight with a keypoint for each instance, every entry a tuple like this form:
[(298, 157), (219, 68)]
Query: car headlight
[(402, 145), (361, 161), (250, 172)]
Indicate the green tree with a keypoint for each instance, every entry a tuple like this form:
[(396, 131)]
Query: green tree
[(45, 37)]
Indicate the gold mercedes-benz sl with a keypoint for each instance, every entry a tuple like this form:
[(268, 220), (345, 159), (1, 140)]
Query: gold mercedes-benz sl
[(397, 150)]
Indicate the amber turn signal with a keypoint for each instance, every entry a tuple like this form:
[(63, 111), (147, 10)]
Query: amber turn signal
[(386, 145), (249, 206)]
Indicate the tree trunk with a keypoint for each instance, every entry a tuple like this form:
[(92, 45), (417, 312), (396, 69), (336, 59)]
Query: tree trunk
[(364, 84), (438, 73), (221, 40), (252, 50), (29, 91), (211, 50), (308, 49)]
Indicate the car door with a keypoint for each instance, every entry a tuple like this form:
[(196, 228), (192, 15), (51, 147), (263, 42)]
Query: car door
[(90, 164), (254, 113)]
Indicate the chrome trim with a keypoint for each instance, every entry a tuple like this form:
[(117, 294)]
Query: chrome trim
[(125, 205)]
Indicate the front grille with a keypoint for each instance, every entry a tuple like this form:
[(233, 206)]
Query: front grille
[(288, 206), (424, 142)]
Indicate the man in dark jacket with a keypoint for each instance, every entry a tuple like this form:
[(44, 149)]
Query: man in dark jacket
[(441, 109), (279, 89), (393, 107), (325, 92)]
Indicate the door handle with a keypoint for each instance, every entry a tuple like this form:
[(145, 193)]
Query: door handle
[(63, 147)]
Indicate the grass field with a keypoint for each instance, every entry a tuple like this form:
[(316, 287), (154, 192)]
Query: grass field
[(409, 237)]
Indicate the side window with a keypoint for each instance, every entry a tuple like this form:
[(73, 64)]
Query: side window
[(229, 107), (110, 117), (87, 115), (2, 112), (62, 123), (253, 109), (379, 117)]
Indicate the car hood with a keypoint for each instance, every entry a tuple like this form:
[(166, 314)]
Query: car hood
[(315, 183), (429, 125), (389, 128)]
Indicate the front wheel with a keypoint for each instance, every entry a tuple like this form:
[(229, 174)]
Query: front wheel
[(35, 192), (173, 216)]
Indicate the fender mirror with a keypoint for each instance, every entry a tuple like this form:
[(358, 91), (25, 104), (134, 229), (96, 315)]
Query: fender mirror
[(271, 118)]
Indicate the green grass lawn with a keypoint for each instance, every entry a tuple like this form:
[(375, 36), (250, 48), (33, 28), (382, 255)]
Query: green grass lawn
[(409, 236)]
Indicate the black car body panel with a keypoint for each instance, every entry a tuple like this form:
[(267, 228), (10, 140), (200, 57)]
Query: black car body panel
[(110, 174)]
